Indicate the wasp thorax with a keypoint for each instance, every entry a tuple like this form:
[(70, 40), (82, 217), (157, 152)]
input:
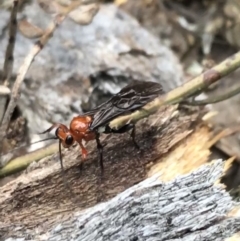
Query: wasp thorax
[(80, 124)]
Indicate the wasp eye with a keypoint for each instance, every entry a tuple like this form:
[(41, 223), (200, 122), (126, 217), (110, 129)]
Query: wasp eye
[(69, 140)]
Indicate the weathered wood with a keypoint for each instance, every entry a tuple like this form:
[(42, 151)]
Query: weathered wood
[(172, 143), (37, 197), (191, 207)]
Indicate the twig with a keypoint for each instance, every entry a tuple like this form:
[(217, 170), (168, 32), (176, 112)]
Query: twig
[(183, 92), (9, 58), (22, 162), (26, 64), (8, 61), (214, 99)]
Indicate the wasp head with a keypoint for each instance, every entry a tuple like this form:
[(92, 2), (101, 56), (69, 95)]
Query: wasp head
[(63, 134)]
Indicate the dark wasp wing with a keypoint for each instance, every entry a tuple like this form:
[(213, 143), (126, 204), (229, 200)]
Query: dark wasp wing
[(130, 98)]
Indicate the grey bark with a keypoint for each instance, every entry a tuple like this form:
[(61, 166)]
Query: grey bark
[(191, 207)]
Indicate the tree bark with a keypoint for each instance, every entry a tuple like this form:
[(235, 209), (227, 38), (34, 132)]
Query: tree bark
[(190, 207), (173, 142)]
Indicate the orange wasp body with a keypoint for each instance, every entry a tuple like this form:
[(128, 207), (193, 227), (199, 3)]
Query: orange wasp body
[(87, 126)]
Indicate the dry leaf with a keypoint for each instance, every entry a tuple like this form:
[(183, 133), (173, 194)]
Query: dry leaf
[(84, 14), (29, 30), (51, 7), (4, 90)]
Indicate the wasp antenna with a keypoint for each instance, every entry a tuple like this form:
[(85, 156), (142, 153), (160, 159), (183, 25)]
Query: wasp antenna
[(50, 128), (62, 168), (46, 139), (60, 157)]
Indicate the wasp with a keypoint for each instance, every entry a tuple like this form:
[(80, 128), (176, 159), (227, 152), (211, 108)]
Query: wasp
[(91, 124)]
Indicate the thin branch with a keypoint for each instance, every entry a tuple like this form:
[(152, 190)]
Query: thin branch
[(9, 58), (20, 163), (183, 92), (214, 99), (27, 63), (8, 61)]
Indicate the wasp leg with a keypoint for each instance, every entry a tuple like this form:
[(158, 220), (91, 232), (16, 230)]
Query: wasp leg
[(100, 153), (81, 168), (124, 129), (133, 133)]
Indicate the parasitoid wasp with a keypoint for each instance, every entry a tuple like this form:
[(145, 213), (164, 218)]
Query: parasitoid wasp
[(92, 123)]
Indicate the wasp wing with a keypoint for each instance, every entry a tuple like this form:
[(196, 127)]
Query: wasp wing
[(130, 98)]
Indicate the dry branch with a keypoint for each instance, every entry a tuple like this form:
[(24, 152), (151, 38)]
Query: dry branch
[(9, 58), (215, 99), (20, 163)]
